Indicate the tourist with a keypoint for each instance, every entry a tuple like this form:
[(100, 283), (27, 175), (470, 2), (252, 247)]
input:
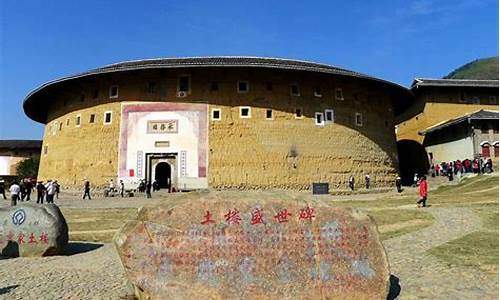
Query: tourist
[(351, 182), (148, 189), (141, 187), (415, 180), (111, 186), (40, 192), (155, 186), (28, 188), (51, 191), (86, 189), (122, 188), (437, 169), (450, 174), (22, 187), (398, 184), (367, 181), (2, 189), (423, 189), (15, 191), (169, 185), (58, 188)]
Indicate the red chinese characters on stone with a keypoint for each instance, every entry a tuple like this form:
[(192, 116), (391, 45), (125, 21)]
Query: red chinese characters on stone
[(20, 238), (307, 213), (32, 239), (257, 216), (282, 216), (233, 217), (207, 218), (44, 238)]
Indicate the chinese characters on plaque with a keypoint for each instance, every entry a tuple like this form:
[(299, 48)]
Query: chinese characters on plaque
[(163, 126)]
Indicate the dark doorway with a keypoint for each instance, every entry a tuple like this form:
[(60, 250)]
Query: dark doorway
[(163, 174), (412, 159)]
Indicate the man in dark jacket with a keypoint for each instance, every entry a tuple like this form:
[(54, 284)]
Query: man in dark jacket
[(2, 189), (148, 189), (86, 189), (40, 191)]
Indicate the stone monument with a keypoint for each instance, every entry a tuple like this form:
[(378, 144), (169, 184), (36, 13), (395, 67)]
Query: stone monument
[(206, 246), (32, 230)]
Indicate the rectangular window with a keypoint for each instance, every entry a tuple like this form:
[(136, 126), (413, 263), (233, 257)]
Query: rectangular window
[(214, 86), (294, 90), (298, 113), (216, 114), (60, 126), (184, 84), (67, 122), (245, 112), (45, 149), (269, 86), (243, 86), (108, 117), (339, 95), (359, 119), (329, 116), (78, 119), (269, 114), (151, 87), (92, 118), (113, 91), (317, 92), (318, 119)]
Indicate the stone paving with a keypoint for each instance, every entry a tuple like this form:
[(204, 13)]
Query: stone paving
[(97, 274)]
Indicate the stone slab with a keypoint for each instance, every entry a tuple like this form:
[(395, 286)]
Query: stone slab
[(202, 246), (32, 230)]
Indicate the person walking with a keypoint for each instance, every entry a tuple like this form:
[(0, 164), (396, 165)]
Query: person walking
[(2, 189), (367, 181), (22, 193), (86, 190), (122, 188), (51, 191), (28, 187), (148, 189), (40, 191), (58, 188), (351, 182), (423, 189), (415, 180), (398, 184), (15, 191)]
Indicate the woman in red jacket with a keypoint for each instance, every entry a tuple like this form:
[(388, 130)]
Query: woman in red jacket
[(423, 191)]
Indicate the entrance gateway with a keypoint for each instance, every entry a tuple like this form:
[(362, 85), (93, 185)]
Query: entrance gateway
[(166, 142)]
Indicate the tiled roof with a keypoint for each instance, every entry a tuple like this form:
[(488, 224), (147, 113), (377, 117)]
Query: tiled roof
[(477, 115), (418, 82), (20, 144)]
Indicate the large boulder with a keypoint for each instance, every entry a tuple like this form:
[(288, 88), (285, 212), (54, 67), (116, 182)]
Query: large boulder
[(205, 246), (32, 230)]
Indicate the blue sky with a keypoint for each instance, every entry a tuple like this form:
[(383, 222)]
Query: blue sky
[(394, 40)]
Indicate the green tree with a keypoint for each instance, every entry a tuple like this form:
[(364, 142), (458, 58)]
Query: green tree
[(28, 167)]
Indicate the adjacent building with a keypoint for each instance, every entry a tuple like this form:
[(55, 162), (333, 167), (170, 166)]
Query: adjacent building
[(12, 152), (219, 122)]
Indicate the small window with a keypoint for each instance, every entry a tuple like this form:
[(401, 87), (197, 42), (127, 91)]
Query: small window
[(269, 86), (60, 126), (216, 114), (269, 114), (67, 122), (243, 86), (359, 119), (214, 86), (298, 113), (294, 90), (113, 91), (329, 117), (339, 95), (245, 112), (184, 84), (492, 100), (107, 117), (152, 87), (317, 92), (92, 118), (78, 120), (45, 149), (318, 119)]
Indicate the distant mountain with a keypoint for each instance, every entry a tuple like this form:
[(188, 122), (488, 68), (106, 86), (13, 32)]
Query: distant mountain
[(484, 68)]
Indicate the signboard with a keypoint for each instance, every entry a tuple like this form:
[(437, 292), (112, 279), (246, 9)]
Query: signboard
[(163, 126), (320, 188)]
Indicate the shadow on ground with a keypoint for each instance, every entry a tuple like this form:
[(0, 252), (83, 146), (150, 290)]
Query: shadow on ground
[(7, 289), (394, 289), (80, 247)]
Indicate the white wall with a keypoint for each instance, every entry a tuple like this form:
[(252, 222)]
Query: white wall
[(459, 149)]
